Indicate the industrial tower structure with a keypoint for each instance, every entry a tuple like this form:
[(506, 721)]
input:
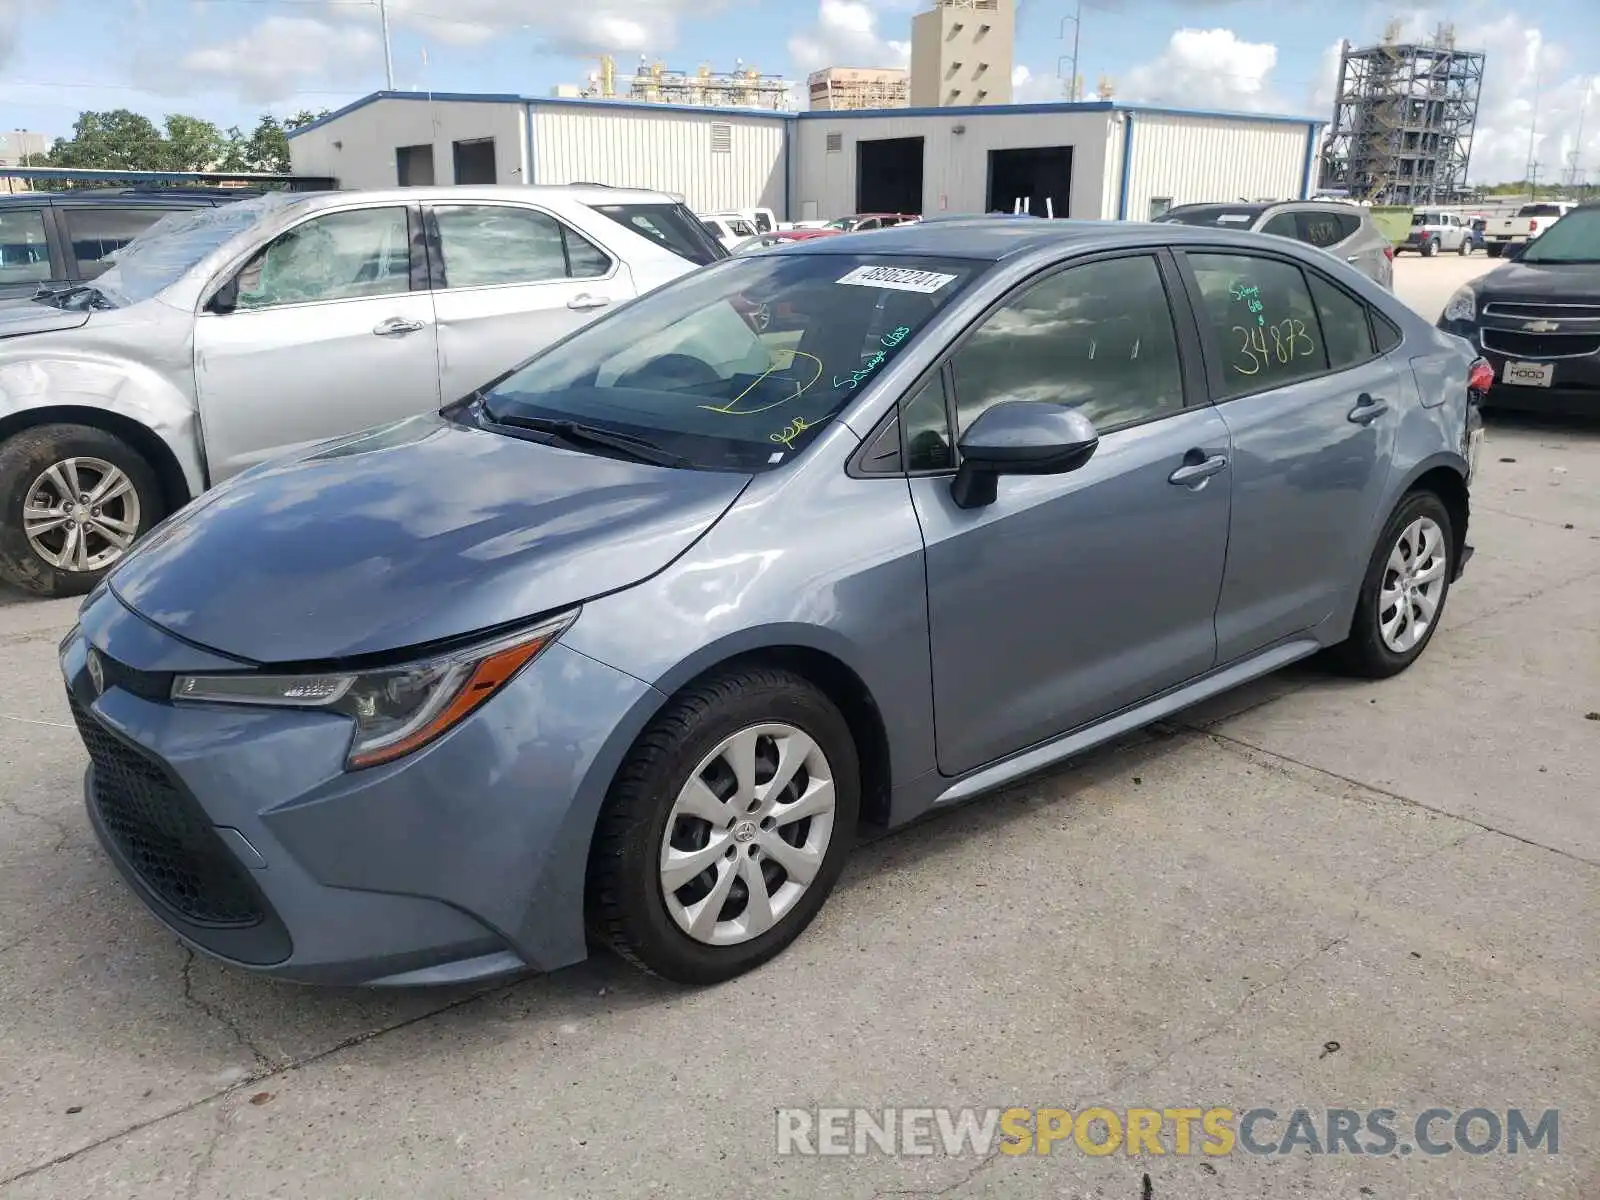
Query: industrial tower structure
[(1403, 120), (655, 83)]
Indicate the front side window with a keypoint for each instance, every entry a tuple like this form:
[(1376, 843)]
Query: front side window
[(24, 247), (96, 233), (1099, 337), (740, 366), (340, 256), (1258, 316), (488, 245)]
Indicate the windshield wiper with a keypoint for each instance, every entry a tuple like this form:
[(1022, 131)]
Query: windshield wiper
[(577, 434), (75, 296)]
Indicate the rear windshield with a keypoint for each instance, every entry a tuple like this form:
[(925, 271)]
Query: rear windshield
[(1539, 210), (1222, 215), (1575, 238), (737, 367), (671, 226)]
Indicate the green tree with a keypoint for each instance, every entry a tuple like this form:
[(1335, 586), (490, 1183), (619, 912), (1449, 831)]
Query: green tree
[(266, 148), (118, 140), (191, 145)]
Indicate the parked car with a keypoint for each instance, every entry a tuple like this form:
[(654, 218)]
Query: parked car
[(1537, 320), (52, 239), (1344, 230), (227, 335), (729, 229), (864, 222), (1529, 222), (622, 644), (780, 237), (1433, 231)]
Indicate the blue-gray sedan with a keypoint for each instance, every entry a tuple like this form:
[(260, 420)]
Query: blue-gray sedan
[(623, 647)]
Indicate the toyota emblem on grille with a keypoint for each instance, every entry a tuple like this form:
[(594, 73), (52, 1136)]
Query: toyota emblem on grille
[(97, 672), (1541, 326)]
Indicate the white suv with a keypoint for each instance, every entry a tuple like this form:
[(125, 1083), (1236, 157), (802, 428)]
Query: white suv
[(225, 336)]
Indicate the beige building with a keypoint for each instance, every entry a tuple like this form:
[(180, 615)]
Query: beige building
[(962, 53), (837, 89)]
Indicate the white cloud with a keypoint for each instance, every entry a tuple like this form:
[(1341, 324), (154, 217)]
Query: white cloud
[(1206, 68), (1028, 88), (577, 27), (275, 58), (846, 35)]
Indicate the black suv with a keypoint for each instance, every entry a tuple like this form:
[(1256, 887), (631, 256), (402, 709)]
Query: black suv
[(63, 237)]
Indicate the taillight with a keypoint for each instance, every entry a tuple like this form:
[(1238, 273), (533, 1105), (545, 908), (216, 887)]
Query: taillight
[(1480, 378), (1388, 252), (1532, 226)]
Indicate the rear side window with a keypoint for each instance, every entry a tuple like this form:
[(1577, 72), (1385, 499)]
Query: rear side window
[(97, 232), (1260, 321), (670, 226), (496, 244), (1345, 331), (1324, 229), (1385, 332)]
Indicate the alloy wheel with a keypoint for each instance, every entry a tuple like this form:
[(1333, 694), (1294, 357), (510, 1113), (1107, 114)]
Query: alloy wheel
[(747, 834), (81, 514), (1413, 585)]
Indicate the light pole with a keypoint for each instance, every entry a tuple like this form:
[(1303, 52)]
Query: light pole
[(1077, 28), (388, 55)]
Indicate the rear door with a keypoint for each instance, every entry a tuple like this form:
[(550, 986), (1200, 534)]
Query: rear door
[(508, 280), (331, 332), (1312, 409)]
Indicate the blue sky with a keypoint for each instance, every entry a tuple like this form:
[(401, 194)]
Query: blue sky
[(229, 60)]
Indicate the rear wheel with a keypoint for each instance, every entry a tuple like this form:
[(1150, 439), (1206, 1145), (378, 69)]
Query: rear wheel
[(1465, 248), (1429, 248), (1495, 249), (73, 500), (1404, 591), (726, 828)]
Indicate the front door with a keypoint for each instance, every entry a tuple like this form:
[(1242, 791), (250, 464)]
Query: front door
[(1072, 595), (1312, 409), (331, 333), (509, 280)]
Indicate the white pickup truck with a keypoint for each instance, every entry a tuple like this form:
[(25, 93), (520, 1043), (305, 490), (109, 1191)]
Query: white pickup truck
[(1530, 221)]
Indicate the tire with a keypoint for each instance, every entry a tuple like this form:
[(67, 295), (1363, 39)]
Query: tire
[(1495, 249), (1430, 248), (1465, 248), (628, 899), (1366, 653), (25, 462)]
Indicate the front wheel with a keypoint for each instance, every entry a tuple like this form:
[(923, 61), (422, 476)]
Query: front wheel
[(73, 500), (726, 827), (1403, 593)]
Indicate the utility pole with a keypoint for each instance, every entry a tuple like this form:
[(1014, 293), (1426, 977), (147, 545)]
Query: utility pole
[(388, 55), (1533, 134), (1077, 29)]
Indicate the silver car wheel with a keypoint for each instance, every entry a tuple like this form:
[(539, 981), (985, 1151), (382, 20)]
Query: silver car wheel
[(747, 834), (1413, 584), (81, 514)]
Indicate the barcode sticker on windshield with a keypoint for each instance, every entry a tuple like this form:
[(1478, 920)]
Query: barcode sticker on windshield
[(897, 279)]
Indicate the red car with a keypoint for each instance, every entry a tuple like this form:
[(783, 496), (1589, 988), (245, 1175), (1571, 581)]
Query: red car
[(764, 241), (862, 222)]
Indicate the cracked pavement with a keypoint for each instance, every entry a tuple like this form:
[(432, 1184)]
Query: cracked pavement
[(1410, 869)]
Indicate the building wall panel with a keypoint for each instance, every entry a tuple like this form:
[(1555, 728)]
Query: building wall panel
[(358, 148), (1193, 160)]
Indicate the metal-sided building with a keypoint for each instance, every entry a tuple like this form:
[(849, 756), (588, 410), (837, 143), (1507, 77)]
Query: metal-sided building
[(1097, 159)]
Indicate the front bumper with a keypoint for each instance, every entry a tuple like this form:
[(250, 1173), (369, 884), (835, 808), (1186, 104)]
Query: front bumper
[(1575, 378), (241, 831)]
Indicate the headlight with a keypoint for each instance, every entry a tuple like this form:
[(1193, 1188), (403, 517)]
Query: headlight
[(1463, 306), (396, 710)]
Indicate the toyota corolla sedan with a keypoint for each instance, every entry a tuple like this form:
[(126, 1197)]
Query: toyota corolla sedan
[(622, 648)]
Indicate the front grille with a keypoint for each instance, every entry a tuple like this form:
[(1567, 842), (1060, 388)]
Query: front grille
[(1540, 345), (1533, 310), (163, 835)]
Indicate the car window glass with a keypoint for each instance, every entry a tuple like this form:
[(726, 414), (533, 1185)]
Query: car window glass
[(925, 428), (1345, 331), (585, 260), (1348, 225), (1099, 337), (1385, 331), (24, 247), (1258, 316), (1282, 225), (340, 256), (98, 232), (495, 244), (1320, 229)]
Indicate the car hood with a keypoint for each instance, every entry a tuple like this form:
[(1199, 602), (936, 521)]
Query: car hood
[(1543, 281), (26, 316), (410, 534)]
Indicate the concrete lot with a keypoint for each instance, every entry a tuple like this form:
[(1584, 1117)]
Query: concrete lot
[(1410, 870)]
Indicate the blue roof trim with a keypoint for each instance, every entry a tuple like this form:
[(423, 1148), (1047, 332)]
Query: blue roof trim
[(1064, 107)]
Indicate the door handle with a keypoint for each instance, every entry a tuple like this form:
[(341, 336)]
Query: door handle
[(1368, 409), (1352, 258), (1192, 473), (395, 327), (585, 302)]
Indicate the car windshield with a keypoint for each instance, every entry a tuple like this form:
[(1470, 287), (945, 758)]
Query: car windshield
[(1222, 215), (166, 251), (738, 366), (1575, 238)]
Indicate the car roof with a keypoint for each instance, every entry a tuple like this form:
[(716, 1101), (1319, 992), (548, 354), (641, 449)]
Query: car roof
[(103, 196), (582, 193), (992, 240)]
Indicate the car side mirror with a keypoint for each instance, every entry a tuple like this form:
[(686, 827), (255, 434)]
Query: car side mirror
[(1020, 437)]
